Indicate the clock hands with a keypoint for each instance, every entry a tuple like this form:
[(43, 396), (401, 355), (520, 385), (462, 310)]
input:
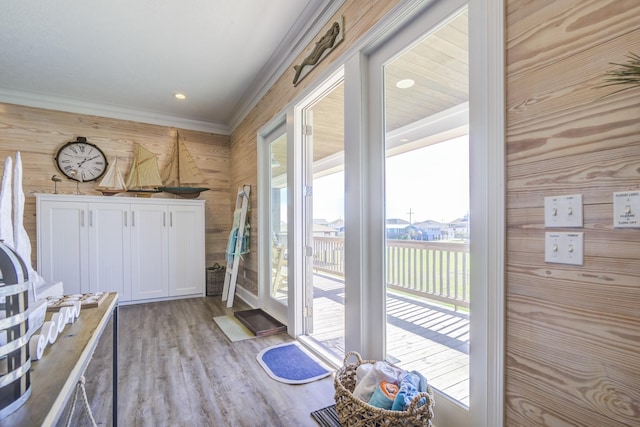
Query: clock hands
[(87, 159)]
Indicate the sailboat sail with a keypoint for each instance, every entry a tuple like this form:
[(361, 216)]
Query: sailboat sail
[(144, 172), (182, 169), (112, 182)]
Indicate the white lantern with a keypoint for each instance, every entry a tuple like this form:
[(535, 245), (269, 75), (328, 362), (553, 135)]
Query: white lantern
[(15, 364)]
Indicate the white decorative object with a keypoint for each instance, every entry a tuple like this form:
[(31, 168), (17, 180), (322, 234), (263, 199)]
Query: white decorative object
[(22, 244), (15, 383), (6, 225)]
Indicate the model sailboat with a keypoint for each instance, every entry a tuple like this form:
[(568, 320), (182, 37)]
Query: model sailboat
[(144, 177), (112, 182), (182, 174)]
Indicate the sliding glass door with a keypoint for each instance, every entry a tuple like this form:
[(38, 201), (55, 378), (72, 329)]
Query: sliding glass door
[(324, 232), (426, 94), (419, 154)]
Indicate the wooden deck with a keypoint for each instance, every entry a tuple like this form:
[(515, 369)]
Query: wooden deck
[(421, 335)]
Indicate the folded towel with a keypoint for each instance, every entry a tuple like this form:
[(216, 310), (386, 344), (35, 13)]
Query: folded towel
[(423, 381), (409, 387), (384, 395), (368, 378)]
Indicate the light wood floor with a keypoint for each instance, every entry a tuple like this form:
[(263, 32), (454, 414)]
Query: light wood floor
[(176, 368)]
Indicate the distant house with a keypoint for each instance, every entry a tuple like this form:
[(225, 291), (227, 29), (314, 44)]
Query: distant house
[(397, 228), (433, 230), (337, 225), (322, 230), (460, 227)]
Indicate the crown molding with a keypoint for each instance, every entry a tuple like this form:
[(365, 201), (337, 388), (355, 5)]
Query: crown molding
[(70, 105), (301, 34)]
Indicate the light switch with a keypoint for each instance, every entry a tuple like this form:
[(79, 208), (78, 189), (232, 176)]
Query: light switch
[(626, 209), (564, 248), (563, 211)]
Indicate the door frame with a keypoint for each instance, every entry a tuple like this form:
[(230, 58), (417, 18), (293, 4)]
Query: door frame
[(487, 179), (265, 138), (302, 218), (450, 411)]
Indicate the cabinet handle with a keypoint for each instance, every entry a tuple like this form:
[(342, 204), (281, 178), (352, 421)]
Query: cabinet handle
[(170, 219), (125, 218), (164, 219), (133, 218), (90, 218), (82, 218)]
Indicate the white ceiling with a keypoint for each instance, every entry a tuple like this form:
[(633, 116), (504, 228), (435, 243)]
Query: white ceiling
[(127, 58)]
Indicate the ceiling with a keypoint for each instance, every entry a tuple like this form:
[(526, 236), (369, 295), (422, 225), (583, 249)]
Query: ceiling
[(127, 59)]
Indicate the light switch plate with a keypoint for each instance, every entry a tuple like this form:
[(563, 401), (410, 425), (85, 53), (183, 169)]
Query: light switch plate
[(563, 211), (564, 248), (626, 209)]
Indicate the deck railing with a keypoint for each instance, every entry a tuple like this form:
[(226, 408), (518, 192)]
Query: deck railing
[(436, 270)]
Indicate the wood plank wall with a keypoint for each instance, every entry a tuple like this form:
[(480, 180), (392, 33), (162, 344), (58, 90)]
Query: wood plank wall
[(359, 16), (572, 332), (38, 133)]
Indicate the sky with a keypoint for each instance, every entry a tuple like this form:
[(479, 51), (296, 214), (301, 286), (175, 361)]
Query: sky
[(432, 182)]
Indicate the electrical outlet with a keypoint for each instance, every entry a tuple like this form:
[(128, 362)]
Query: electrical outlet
[(564, 248), (563, 211)]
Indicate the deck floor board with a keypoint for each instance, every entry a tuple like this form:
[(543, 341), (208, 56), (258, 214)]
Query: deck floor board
[(422, 335)]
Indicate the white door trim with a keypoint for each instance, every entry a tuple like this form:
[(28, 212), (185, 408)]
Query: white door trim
[(487, 170)]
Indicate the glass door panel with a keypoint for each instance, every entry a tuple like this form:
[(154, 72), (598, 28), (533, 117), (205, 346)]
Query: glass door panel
[(278, 286), (426, 93), (324, 165)]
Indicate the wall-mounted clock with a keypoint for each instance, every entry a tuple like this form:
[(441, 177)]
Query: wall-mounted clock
[(81, 161)]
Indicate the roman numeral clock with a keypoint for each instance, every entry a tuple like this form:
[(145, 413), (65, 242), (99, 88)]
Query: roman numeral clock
[(81, 161)]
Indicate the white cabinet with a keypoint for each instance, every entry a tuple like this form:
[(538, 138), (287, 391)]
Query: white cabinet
[(184, 241), (108, 249), (149, 252), (63, 244), (145, 249)]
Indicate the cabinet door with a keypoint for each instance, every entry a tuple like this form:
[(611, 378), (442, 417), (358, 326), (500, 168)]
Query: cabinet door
[(110, 248), (149, 254), (63, 246), (186, 250)]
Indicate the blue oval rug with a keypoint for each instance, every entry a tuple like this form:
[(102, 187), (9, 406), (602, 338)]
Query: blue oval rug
[(290, 363)]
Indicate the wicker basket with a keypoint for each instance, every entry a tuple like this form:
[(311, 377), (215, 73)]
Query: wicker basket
[(354, 412)]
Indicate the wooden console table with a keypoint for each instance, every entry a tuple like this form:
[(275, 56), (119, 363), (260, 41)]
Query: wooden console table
[(54, 377)]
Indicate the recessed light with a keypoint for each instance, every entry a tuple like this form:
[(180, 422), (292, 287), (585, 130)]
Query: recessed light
[(405, 140), (405, 84), (180, 95)]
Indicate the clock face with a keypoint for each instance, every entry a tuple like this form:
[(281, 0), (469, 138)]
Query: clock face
[(81, 161)]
